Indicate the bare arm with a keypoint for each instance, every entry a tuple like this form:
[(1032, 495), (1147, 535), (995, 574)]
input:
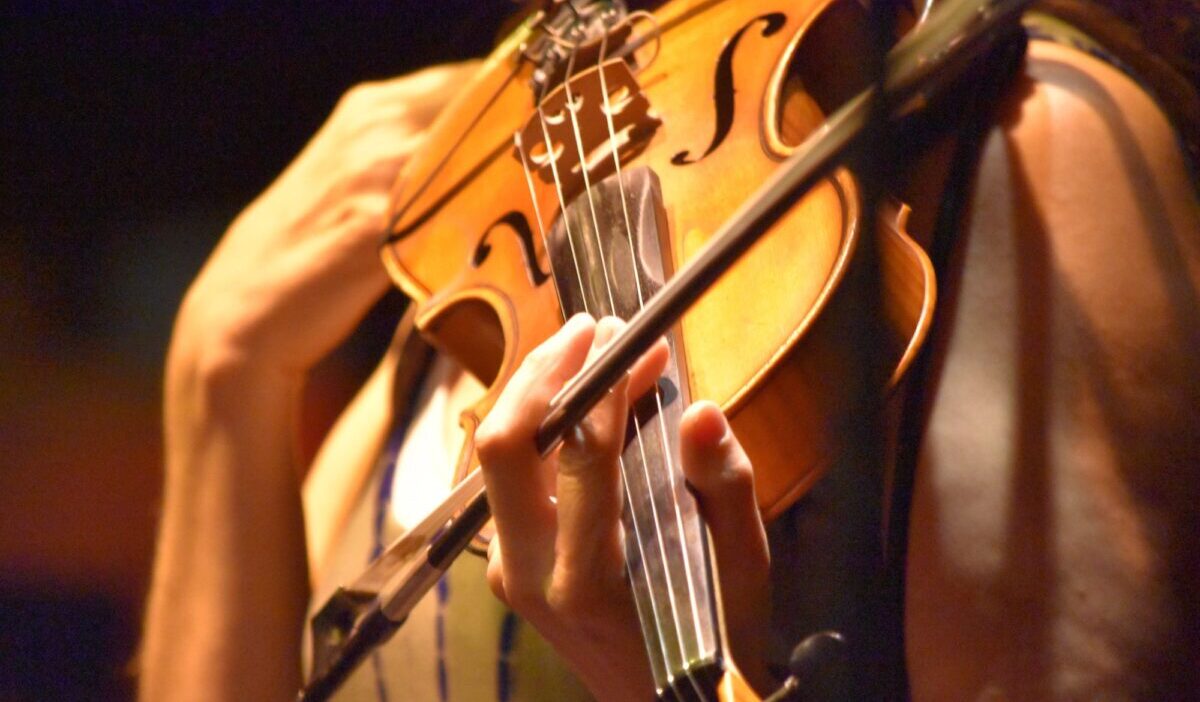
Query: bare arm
[(1053, 528), (289, 280)]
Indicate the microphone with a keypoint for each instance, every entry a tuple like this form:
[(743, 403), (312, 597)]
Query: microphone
[(817, 667)]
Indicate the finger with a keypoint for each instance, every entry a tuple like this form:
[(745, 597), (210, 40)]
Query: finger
[(495, 570), (588, 545), (517, 490), (722, 480), (408, 103), (435, 84), (646, 371), (526, 398)]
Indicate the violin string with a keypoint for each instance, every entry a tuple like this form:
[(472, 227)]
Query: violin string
[(562, 307), (553, 160), (546, 244), (519, 142), (572, 107), (661, 421), (673, 470), (537, 214), (562, 206)]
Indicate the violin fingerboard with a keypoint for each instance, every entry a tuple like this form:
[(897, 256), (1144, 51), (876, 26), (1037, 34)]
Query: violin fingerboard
[(606, 257)]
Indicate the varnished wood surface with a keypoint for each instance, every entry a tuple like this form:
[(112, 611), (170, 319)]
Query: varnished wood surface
[(743, 340), (734, 688)]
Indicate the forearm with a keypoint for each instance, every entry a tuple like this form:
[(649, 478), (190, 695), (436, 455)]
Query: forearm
[(230, 588), (289, 280)]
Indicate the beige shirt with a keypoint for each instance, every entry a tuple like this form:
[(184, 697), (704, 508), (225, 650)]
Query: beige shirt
[(460, 643)]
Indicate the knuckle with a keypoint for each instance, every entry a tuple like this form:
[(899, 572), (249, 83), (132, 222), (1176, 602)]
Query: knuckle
[(495, 581), (574, 603), (493, 441), (584, 602), (735, 473), (524, 597), (587, 436), (739, 475), (539, 359), (728, 481), (359, 95), (588, 448), (354, 214), (357, 109)]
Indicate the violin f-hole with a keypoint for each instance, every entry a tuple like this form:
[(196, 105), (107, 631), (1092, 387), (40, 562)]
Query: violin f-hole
[(723, 89), (516, 222)]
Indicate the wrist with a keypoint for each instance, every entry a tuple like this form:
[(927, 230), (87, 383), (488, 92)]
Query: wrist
[(211, 350), (214, 387)]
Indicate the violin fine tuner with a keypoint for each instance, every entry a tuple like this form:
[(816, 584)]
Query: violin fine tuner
[(571, 33)]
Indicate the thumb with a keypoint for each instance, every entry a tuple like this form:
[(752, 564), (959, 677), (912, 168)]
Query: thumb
[(722, 480)]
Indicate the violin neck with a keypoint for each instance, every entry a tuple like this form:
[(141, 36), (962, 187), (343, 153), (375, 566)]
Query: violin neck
[(606, 253)]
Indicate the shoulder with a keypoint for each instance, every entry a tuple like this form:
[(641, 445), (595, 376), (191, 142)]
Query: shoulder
[(1083, 110), (1057, 488)]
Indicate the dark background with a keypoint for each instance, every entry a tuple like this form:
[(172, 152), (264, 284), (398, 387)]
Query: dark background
[(129, 139)]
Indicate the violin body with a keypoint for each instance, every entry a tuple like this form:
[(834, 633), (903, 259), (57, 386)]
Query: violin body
[(661, 127), (518, 214), (711, 106)]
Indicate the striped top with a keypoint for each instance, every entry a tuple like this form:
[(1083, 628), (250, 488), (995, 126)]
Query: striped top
[(460, 643)]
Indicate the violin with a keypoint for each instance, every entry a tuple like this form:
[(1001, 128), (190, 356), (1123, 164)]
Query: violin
[(677, 169)]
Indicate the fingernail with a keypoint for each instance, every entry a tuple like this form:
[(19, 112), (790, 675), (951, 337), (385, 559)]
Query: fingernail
[(606, 328), (579, 319)]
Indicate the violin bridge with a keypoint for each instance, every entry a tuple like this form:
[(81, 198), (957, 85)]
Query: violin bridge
[(575, 129)]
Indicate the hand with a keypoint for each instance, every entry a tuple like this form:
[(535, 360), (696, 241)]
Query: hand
[(300, 266), (560, 563)]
